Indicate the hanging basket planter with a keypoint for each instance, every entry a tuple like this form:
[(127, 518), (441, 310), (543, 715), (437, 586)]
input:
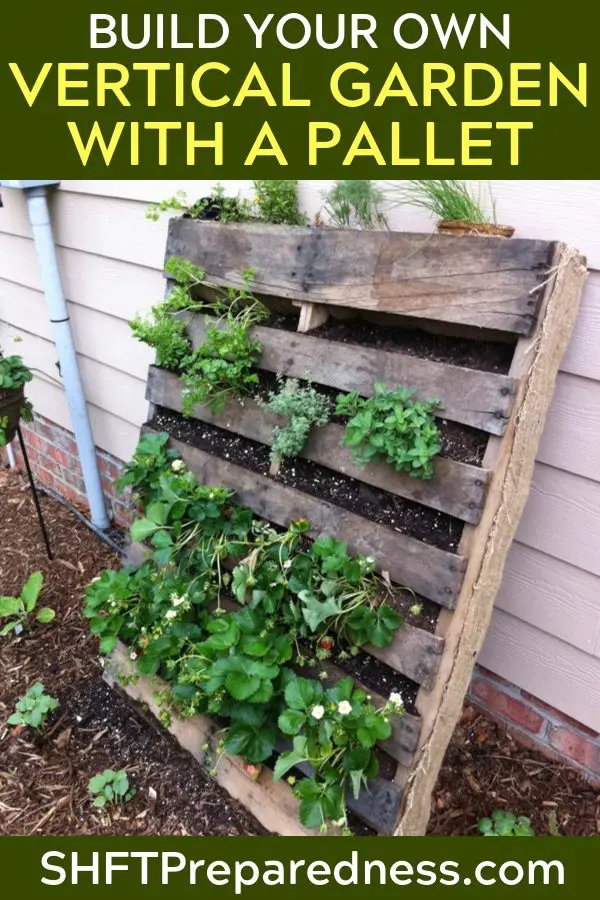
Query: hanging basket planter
[(487, 229), (11, 404)]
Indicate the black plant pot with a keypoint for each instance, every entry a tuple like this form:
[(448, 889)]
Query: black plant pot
[(11, 402)]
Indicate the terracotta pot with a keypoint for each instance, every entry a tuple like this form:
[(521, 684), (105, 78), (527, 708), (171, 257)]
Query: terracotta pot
[(485, 228), (11, 401)]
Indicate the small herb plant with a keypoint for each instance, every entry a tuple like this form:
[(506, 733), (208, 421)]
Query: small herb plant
[(304, 408), (32, 709), (18, 609), (446, 200), (391, 426), (14, 374), (275, 202), (222, 366), (503, 823), (355, 204), (110, 787)]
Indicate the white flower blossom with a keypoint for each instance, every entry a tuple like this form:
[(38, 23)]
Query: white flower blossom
[(177, 465), (170, 614), (287, 564), (344, 708), (177, 601), (317, 712), (133, 655), (396, 700)]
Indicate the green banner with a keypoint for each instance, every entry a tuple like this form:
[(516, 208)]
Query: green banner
[(284, 867), (142, 90)]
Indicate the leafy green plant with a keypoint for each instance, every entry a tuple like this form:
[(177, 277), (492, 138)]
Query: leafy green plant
[(14, 374), (18, 609), (110, 787), (303, 407), (297, 602), (222, 366), (391, 426), (334, 733), (32, 709), (355, 204), (275, 202), (503, 823), (446, 200)]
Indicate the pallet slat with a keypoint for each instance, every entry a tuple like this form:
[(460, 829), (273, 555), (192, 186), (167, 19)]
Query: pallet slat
[(434, 573), (456, 488), (480, 399), (479, 281)]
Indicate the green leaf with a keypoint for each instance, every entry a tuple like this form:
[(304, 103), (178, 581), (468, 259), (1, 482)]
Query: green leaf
[(108, 644), (290, 759), (356, 779), (158, 512), (142, 529), (96, 784), (241, 686), (31, 590), (10, 626), (252, 744), (291, 721), (45, 615), (99, 802), (10, 606), (315, 611), (303, 694)]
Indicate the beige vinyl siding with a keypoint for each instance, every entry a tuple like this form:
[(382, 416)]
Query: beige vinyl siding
[(545, 635)]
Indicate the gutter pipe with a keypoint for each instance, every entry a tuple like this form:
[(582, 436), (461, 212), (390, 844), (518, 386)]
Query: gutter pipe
[(39, 216)]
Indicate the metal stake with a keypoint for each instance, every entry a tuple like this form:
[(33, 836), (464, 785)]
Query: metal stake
[(36, 499)]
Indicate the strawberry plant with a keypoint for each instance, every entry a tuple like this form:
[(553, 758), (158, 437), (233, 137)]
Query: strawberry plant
[(295, 602), (32, 709), (504, 823), (334, 732), (14, 375), (110, 787), (18, 609), (391, 426)]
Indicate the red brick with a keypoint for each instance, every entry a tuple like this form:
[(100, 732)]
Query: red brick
[(576, 746), (557, 714), (59, 456), (510, 708), (491, 676)]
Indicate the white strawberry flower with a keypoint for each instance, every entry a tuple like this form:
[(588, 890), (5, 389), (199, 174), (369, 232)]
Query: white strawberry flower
[(170, 614), (396, 700), (133, 655), (177, 601), (177, 465), (317, 712), (344, 708)]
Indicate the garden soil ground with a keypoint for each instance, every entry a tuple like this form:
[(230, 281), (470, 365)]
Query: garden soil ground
[(43, 781)]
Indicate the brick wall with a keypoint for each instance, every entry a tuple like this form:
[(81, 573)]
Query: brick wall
[(53, 457), (536, 724)]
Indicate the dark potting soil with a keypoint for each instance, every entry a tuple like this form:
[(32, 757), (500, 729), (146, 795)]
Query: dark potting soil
[(382, 679), (404, 516), (487, 356)]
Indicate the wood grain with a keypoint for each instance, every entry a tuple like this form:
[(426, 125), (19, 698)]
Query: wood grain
[(456, 488), (427, 570), (479, 281), (481, 399)]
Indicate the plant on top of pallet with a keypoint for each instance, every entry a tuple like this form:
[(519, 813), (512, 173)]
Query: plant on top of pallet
[(458, 209), (230, 661), (274, 201), (303, 407)]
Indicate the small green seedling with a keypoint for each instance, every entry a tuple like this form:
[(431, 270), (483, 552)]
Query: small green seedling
[(505, 824), (32, 709), (110, 787), (18, 609)]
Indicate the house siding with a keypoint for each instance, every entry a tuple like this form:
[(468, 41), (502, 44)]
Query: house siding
[(545, 634)]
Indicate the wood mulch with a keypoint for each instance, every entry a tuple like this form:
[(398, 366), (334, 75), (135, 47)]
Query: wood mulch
[(43, 779)]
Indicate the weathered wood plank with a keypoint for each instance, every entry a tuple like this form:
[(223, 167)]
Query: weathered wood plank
[(311, 316), (535, 364), (478, 281), (429, 571), (456, 488), (271, 802), (481, 399)]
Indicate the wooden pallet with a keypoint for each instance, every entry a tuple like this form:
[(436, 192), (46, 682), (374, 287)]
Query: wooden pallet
[(518, 291)]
